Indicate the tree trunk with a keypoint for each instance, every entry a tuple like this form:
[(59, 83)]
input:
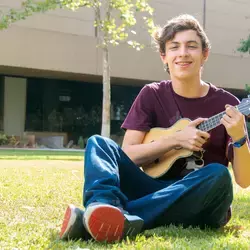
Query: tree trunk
[(106, 100)]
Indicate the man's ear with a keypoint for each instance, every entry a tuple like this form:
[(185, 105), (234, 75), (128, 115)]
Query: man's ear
[(206, 54), (162, 55)]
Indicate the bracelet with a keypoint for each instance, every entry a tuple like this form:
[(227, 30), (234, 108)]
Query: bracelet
[(240, 142)]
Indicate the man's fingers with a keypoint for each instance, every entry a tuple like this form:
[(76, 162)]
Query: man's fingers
[(204, 134), (224, 122), (196, 148), (197, 121), (200, 141), (198, 144), (231, 110), (227, 118)]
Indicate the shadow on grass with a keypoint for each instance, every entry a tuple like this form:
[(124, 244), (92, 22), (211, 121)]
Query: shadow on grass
[(237, 228), (171, 233), (56, 243)]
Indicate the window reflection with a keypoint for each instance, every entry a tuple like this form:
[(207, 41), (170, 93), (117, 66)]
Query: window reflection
[(74, 107)]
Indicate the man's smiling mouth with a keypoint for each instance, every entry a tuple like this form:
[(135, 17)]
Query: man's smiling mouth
[(183, 63)]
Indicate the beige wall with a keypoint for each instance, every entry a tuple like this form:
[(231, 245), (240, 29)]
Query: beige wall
[(64, 41), (14, 105)]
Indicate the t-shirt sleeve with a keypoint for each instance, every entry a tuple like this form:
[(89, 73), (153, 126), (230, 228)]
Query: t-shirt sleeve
[(141, 114)]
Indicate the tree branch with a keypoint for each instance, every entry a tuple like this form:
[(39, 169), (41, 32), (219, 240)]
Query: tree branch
[(28, 8)]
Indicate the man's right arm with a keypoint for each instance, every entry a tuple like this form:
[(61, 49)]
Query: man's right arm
[(144, 153), (190, 138)]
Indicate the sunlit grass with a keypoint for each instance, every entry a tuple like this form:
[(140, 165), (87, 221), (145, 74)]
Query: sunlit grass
[(29, 154), (33, 199)]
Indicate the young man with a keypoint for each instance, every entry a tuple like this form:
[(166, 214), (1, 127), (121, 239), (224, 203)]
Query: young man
[(120, 199)]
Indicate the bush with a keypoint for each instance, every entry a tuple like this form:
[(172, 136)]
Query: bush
[(3, 139), (12, 140), (81, 142)]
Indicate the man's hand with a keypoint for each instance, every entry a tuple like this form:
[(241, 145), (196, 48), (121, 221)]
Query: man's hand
[(233, 121), (192, 138)]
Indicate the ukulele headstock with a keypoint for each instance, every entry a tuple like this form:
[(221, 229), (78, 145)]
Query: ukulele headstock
[(244, 106)]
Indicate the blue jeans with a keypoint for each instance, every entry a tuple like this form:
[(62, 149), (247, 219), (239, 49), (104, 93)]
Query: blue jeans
[(202, 198)]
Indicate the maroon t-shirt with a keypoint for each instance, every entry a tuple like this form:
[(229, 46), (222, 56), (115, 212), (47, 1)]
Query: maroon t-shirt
[(157, 105)]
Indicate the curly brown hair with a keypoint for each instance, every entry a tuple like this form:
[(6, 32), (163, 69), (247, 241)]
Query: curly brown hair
[(180, 23)]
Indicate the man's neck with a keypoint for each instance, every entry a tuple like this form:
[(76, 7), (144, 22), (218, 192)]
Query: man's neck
[(190, 88)]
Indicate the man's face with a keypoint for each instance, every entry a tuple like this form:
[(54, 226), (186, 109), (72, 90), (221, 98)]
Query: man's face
[(184, 55)]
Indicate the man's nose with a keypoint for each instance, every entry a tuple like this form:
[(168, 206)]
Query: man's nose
[(183, 51)]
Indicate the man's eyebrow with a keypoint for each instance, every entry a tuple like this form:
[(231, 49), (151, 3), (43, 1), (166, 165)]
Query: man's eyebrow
[(190, 41)]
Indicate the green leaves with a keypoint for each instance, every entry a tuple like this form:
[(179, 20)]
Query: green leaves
[(143, 6), (136, 45), (76, 4), (247, 88), (29, 7), (244, 45), (115, 19), (125, 15)]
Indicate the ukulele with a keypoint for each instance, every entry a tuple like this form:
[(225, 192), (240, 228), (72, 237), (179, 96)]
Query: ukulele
[(178, 159)]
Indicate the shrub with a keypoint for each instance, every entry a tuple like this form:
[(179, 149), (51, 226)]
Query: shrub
[(12, 140), (81, 142), (3, 139)]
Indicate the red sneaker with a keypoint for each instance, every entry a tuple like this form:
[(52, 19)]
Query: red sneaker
[(108, 223), (72, 226)]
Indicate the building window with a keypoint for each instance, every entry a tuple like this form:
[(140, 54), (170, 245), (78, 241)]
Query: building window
[(74, 108)]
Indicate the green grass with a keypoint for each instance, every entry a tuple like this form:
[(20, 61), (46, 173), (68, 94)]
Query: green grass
[(33, 200), (24, 154)]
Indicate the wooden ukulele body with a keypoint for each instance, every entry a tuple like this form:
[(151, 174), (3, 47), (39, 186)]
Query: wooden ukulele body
[(160, 166)]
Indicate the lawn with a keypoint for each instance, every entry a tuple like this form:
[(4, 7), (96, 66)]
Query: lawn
[(34, 195), (42, 154)]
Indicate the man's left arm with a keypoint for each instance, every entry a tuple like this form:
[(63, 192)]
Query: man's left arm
[(234, 123)]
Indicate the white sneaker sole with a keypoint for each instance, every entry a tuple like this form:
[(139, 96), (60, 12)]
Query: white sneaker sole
[(68, 221)]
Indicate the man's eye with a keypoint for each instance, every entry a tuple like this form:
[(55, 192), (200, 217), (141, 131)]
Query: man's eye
[(192, 47), (174, 47)]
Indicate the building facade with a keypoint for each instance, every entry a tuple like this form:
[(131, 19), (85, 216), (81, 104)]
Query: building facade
[(51, 69)]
